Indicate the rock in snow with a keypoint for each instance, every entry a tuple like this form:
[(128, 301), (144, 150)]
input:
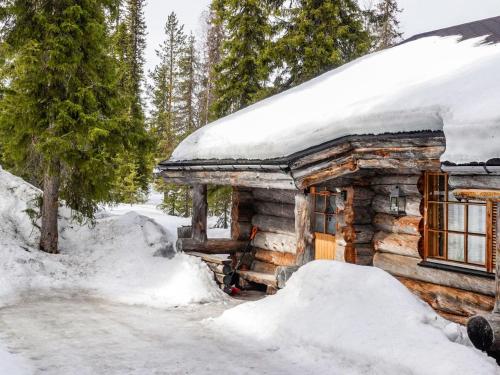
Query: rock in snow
[(364, 317), (429, 84)]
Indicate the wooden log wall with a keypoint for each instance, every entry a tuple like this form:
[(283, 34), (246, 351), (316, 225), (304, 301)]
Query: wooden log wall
[(398, 246)]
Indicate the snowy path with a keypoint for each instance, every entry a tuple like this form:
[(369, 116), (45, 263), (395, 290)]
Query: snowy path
[(82, 335)]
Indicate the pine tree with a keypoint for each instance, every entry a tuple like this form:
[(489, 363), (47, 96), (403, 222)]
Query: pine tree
[(316, 36), (211, 50), (188, 87), (383, 24), (62, 107), (243, 71), (164, 89)]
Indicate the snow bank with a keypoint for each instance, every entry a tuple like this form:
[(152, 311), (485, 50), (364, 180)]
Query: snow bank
[(126, 257), (429, 84), (364, 317), (11, 364)]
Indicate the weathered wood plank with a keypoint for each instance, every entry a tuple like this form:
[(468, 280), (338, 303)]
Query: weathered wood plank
[(324, 172), (394, 224), (259, 278), (252, 179), (274, 195), (275, 209), (259, 266), (404, 266), (325, 154), (211, 246), (302, 228), (449, 300), (275, 242), (274, 224), (401, 244), (474, 182), (209, 258), (363, 233), (275, 257), (200, 210)]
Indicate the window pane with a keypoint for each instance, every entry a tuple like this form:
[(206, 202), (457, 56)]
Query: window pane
[(477, 219), (331, 204), (331, 224), (476, 250), (320, 203), (436, 187), (456, 247), (436, 244), (319, 223), (436, 216), (456, 215)]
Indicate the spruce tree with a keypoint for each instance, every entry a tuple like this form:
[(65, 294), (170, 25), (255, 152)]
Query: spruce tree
[(243, 72), (62, 108), (383, 24), (316, 36)]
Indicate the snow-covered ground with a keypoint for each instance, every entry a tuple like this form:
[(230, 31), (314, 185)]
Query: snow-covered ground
[(118, 300)]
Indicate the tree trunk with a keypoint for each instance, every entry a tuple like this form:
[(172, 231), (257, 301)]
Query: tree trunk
[(50, 207)]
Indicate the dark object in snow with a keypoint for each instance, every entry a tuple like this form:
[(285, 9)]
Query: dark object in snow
[(166, 251), (484, 333)]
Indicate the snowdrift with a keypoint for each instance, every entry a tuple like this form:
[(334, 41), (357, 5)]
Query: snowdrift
[(429, 84), (11, 364), (362, 316), (126, 257)]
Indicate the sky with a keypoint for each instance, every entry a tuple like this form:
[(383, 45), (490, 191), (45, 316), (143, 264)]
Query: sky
[(418, 16)]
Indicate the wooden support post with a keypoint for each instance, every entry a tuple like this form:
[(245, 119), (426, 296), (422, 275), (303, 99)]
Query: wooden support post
[(484, 330), (303, 233), (200, 211)]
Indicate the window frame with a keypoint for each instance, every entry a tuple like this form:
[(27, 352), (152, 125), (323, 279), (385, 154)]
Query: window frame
[(325, 194), (490, 213)]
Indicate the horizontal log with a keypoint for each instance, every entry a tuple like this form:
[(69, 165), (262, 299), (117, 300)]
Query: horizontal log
[(274, 195), (364, 254), (211, 246), (265, 267), (409, 166), (275, 242), (275, 209), (214, 259), (275, 257), (474, 182), (396, 179), (274, 224), (381, 204), (387, 141), (394, 243), (259, 278), (404, 266), (450, 300), (387, 189), (394, 224), (253, 179), (325, 154), (477, 194), (324, 172), (363, 233)]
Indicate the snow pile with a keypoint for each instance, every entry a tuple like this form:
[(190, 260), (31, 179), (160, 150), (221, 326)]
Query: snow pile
[(429, 84), (128, 258), (11, 364), (362, 316)]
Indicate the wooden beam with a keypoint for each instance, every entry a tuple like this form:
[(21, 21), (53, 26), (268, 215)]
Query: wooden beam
[(275, 224), (286, 243), (275, 257), (496, 310), (305, 238), (479, 194), (400, 244), (251, 179), (200, 211), (211, 246), (274, 195), (275, 209), (404, 266)]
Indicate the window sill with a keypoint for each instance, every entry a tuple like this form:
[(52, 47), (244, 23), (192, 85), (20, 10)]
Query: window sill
[(457, 269)]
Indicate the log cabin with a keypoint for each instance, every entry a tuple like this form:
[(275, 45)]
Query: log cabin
[(392, 161)]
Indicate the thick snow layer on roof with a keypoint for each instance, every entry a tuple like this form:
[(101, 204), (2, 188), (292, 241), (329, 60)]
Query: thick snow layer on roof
[(363, 317), (428, 84)]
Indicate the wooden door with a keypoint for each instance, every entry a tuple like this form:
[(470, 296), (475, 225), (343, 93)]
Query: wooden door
[(324, 223)]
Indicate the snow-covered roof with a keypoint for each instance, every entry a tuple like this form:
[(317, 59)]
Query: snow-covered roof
[(430, 84)]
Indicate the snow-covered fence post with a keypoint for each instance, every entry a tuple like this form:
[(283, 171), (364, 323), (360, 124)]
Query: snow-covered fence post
[(200, 210)]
